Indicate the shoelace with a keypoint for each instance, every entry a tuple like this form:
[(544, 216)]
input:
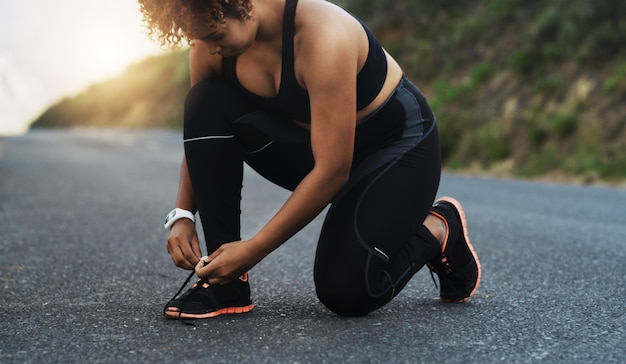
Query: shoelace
[(450, 274), (432, 276), (180, 311), (446, 269)]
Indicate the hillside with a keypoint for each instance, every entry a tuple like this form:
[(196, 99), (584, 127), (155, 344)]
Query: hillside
[(523, 88), (147, 94)]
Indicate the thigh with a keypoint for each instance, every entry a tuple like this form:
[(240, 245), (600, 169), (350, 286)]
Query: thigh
[(277, 149), (375, 217), (391, 190), (367, 249)]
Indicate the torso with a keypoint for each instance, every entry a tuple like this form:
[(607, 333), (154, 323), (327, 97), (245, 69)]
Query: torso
[(259, 69)]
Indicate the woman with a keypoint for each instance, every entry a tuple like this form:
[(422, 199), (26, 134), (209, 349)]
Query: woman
[(305, 94)]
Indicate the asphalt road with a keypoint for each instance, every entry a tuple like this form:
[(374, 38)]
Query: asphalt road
[(84, 273)]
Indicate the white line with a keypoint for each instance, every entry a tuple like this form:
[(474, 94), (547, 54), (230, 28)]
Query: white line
[(260, 149), (209, 137), (382, 253)]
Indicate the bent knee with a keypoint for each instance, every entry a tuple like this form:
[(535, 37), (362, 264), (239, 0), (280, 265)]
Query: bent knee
[(345, 298), (344, 306)]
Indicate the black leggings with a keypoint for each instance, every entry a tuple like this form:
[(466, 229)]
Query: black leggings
[(372, 240)]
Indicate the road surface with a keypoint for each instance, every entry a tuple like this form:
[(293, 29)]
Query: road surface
[(84, 272)]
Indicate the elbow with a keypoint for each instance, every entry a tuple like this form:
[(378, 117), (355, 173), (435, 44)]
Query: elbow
[(341, 175), (335, 182), (333, 178), (333, 173)]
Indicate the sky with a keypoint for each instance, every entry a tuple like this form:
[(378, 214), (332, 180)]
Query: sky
[(50, 49)]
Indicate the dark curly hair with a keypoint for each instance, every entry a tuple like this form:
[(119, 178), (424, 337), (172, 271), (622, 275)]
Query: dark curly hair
[(171, 21)]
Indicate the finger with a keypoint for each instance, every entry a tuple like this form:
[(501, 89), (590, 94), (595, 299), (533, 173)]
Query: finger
[(176, 254), (189, 255), (216, 281), (195, 246), (203, 269), (215, 254), (203, 261)]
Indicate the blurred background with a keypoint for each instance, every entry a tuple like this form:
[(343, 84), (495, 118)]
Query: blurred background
[(520, 88), (55, 49)]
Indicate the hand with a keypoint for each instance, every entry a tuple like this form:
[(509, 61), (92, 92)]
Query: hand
[(228, 262), (183, 244)]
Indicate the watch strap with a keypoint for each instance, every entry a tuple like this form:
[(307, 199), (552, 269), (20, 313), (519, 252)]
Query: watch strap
[(177, 214)]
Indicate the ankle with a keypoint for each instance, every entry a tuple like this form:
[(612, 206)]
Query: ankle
[(436, 226)]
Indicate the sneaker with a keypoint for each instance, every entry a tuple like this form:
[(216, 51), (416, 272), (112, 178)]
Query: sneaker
[(458, 267), (204, 301)]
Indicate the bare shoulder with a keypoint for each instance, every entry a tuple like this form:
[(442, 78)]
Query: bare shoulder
[(324, 26), (330, 46), (203, 64), (324, 18)]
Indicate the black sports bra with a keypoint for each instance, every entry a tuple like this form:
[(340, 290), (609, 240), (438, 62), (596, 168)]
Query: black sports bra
[(292, 101)]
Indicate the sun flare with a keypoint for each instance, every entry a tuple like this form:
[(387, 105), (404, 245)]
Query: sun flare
[(104, 48), (53, 49), (107, 54)]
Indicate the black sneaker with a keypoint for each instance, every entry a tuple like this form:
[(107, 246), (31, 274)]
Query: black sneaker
[(458, 267), (204, 301)]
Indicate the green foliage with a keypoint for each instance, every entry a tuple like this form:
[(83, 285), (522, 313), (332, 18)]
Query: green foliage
[(371, 8), (505, 10), (550, 85), (564, 124), (446, 93), (537, 135), (617, 81), (546, 161), (524, 61), (452, 128), (481, 73), (583, 160), (465, 92), (486, 146)]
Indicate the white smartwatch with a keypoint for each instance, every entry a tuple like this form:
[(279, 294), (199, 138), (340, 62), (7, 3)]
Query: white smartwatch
[(178, 214)]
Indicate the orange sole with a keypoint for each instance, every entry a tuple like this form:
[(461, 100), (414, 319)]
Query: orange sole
[(174, 312), (458, 207)]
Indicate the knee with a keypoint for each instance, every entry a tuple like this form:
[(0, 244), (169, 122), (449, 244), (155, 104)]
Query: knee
[(343, 298), (344, 305), (208, 89), (212, 95), (210, 107)]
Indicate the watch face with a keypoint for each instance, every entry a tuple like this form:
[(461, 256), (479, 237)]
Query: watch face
[(170, 216)]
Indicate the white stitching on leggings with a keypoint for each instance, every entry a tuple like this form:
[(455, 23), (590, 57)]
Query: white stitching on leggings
[(260, 149), (209, 137)]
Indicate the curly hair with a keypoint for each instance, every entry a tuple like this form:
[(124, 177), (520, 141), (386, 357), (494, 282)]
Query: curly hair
[(171, 21)]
